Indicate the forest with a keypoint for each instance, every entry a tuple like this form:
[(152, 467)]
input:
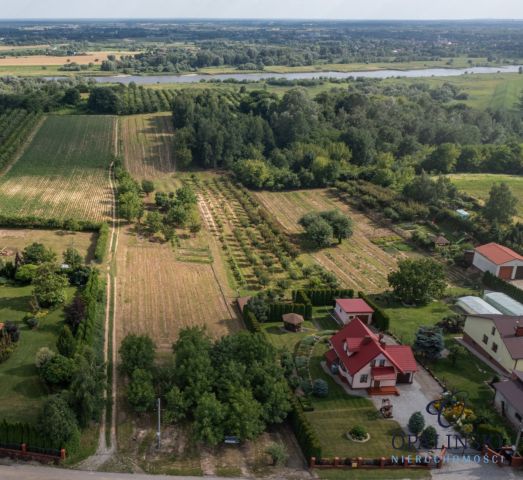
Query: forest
[(372, 131)]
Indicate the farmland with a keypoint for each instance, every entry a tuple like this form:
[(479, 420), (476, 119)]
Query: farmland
[(357, 262), (479, 184), (146, 145), (158, 295), (63, 173)]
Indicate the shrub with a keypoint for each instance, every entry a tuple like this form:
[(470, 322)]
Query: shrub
[(278, 453), (26, 273), (43, 355), (137, 352), (416, 423), (358, 432), (31, 321), (320, 388), (429, 437), (57, 371)]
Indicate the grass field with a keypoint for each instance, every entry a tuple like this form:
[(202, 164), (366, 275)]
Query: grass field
[(479, 184), (158, 295), (63, 173), (22, 392), (49, 60), (13, 240), (147, 146), (357, 262)]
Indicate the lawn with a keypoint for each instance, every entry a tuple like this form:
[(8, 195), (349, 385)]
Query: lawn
[(479, 184), (405, 321), (338, 412), (469, 374), (22, 392)]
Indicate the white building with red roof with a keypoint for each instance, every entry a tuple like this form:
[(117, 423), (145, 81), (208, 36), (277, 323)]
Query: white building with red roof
[(347, 309), (499, 260), (364, 360)]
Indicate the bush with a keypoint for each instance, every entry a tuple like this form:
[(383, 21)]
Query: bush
[(278, 454), (43, 355), (102, 243), (57, 371), (137, 352), (429, 437), (358, 432), (305, 433), (320, 388), (26, 273), (416, 423)]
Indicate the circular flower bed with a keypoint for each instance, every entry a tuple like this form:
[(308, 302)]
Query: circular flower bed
[(358, 434)]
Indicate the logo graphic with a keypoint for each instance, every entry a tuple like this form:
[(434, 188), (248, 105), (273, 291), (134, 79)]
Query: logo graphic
[(449, 408)]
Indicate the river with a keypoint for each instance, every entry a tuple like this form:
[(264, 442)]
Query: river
[(194, 78)]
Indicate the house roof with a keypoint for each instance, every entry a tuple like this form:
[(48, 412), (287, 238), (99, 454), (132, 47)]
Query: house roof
[(331, 356), (367, 346), (242, 301), (354, 305), (292, 318), (497, 253), (506, 327), (512, 390), (440, 240)]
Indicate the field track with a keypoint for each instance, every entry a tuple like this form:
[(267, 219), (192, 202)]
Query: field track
[(146, 145), (62, 172)]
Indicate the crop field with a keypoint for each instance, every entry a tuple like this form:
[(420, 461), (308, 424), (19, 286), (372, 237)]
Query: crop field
[(158, 295), (146, 145), (45, 60), (358, 262), (479, 184), (63, 173)]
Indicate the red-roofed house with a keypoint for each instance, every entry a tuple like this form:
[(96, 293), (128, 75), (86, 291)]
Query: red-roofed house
[(346, 309), (499, 260), (364, 360)]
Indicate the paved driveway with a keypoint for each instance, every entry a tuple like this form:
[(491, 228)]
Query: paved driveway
[(414, 397)]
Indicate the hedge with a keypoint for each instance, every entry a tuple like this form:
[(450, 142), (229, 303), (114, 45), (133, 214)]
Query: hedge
[(90, 295), (48, 223), (12, 434), (250, 320), (101, 244), (497, 283), (380, 319), (304, 431), (276, 310), (322, 297)]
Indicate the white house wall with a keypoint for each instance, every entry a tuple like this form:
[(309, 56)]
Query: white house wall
[(484, 264), (510, 410)]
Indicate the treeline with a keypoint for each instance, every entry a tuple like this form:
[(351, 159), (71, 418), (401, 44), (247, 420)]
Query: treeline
[(381, 133), (127, 100)]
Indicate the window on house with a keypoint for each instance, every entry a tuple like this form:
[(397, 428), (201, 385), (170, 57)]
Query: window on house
[(485, 339), (493, 331), (382, 363), (494, 347), (373, 363), (364, 378)]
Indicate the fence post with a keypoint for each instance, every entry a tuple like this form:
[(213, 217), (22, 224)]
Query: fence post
[(62, 454), (312, 462), (382, 462), (23, 448), (336, 461), (360, 462)]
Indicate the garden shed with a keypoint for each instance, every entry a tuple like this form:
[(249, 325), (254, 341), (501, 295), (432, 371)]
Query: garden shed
[(505, 304), (476, 306), (292, 322)]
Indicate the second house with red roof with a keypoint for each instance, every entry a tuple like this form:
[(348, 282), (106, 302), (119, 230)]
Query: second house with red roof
[(499, 260), (365, 361)]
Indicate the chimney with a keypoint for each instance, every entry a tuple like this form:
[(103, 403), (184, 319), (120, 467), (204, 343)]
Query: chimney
[(382, 339), (366, 339)]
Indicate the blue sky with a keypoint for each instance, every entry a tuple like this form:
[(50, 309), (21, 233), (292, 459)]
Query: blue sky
[(339, 9)]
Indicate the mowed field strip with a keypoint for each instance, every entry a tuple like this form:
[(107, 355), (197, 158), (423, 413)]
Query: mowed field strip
[(357, 262), (147, 145), (478, 185), (62, 173), (159, 296)]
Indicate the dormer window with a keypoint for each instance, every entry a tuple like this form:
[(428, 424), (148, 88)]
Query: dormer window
[(493, 331)]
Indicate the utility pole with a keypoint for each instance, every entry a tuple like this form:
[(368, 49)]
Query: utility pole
[(158, 432)]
